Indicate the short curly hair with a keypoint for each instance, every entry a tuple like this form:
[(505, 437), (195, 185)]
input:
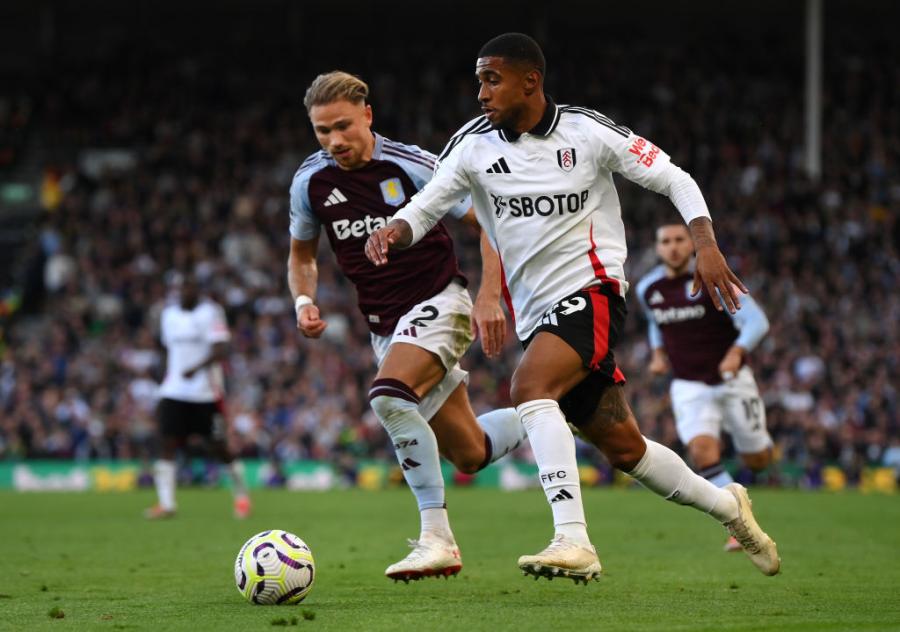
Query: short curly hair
[(516, 47)]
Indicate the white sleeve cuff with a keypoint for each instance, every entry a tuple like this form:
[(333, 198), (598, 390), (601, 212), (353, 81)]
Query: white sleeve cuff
[(687, 198), (413, 216)]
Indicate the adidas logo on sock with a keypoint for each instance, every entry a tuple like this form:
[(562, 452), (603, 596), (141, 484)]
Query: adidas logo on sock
[(409, 464), (335, 197), (499, 167), (562, 495)]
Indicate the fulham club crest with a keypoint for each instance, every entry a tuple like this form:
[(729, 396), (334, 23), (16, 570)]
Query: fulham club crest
[(565, 158)]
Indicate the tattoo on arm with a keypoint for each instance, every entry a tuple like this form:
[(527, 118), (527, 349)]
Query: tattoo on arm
[(702, 232), (613, 408)]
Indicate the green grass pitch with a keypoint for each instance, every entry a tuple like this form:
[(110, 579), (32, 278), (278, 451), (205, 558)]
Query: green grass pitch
[(93, 559)]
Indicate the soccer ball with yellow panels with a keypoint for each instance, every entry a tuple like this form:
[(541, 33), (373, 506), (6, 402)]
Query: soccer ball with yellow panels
[(274, 568)]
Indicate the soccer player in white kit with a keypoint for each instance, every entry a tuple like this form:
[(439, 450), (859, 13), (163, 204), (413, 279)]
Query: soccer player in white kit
[(713, 388), (540, 177), (195, 334)]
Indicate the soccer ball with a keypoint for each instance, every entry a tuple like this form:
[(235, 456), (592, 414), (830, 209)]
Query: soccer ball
[(274, 567)]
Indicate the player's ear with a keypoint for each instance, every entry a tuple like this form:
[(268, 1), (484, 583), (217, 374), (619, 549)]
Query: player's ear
[(369, 114), (531, 81)]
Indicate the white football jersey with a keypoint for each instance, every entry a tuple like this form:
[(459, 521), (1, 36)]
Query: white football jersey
[(189, 336), (547, 201)]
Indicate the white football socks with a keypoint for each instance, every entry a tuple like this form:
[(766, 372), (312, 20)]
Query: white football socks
[(663, 472), (238, 478), (504, 430), (554, 451), (415, 445), (435, 521), (164, 479)]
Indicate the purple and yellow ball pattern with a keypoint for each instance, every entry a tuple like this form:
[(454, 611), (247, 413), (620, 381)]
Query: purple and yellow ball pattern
[(274, 568)]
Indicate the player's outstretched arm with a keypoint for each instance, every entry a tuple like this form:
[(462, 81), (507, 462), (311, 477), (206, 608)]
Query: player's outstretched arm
[(397, 235), (488, 319), (303, 277), (644, 163), (712, 270)]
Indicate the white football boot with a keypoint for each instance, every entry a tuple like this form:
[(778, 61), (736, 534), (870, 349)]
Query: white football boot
[(431, 556), (563, 558), (757, 544)]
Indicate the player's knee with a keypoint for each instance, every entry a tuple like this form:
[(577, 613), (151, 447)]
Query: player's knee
[(466, 461), (391, 400), (527, 389), (757, 461), (623, 450), (390, 410), (701, 459), (626, 459), (704, 452)]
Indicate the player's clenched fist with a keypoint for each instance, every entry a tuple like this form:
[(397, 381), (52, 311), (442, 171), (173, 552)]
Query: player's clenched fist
[(308, 321)]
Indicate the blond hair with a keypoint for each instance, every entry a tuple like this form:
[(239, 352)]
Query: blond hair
[(335, 86)]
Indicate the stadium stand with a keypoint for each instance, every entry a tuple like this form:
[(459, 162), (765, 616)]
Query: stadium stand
[(158, 160)]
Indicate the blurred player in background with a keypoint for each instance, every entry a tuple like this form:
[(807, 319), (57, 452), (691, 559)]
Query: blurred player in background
[(540, 176), (419, 311), (713, 388), (195, 335)]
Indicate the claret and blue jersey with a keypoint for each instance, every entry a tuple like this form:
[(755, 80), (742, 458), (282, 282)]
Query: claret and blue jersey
[(351, 205), (694, 334)]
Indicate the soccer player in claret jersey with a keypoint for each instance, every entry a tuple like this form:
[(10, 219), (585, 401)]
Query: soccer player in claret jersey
[(195, 334), (713, 388), (418, 310), (540, 176)]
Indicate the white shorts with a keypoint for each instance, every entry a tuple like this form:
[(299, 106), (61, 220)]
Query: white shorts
[(441, 325), (733, 406)]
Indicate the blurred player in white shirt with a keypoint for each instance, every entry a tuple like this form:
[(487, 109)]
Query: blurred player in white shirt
[(195, 334)]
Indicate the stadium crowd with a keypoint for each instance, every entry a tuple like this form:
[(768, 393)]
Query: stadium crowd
[(181, 167)]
